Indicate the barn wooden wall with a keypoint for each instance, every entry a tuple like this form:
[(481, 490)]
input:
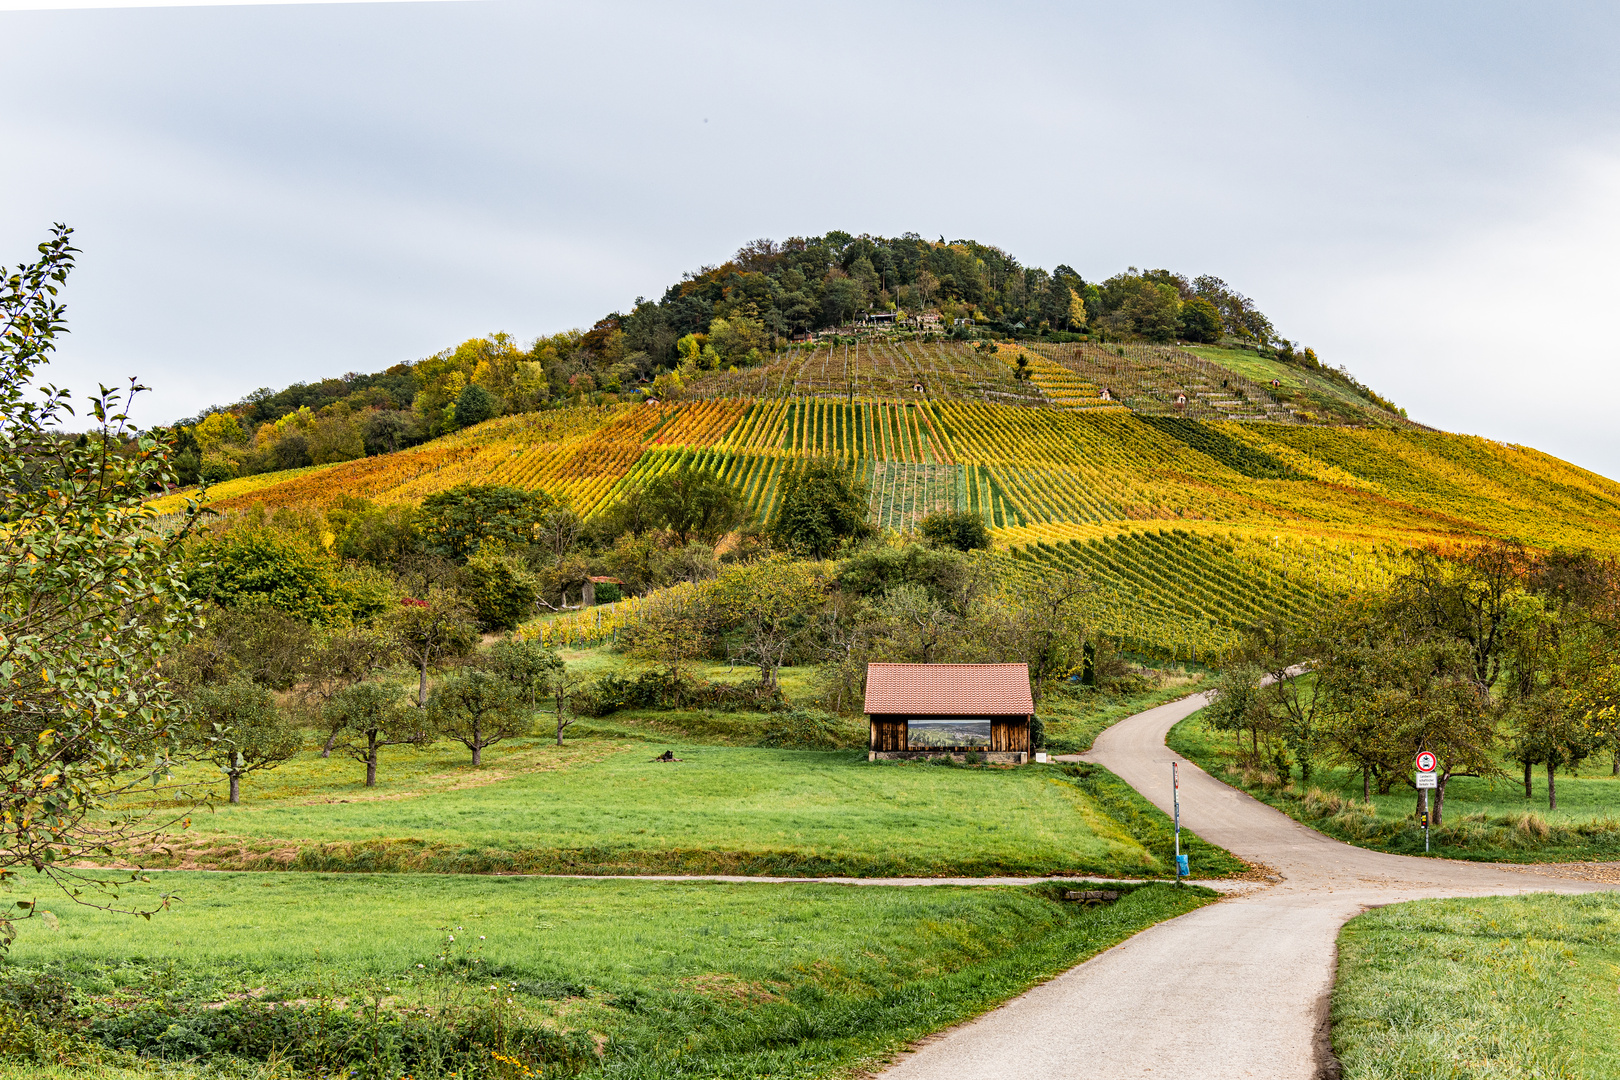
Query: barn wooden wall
[(1009, 734), (888, 734)]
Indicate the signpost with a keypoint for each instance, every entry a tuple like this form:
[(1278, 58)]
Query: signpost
[(1175, 799), (1426, 778)]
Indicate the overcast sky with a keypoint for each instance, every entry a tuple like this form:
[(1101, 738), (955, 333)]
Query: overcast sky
[(1428, 194)]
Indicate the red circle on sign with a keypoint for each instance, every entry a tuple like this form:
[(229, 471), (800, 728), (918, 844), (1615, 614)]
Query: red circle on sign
[(1425, 761)]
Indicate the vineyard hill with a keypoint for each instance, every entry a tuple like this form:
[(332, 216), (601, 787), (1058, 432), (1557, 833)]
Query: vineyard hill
[(1203, 494)]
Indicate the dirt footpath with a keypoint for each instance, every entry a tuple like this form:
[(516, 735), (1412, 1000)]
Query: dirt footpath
[(1238, 989)]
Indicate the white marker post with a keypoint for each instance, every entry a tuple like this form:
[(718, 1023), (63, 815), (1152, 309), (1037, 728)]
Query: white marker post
[(1175, 801), (1426, 778)]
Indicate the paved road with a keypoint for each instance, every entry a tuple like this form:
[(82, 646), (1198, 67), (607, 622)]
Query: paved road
[(1238, 989)]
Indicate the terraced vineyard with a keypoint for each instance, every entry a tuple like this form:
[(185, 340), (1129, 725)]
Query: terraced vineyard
[(1166, 381), (890, 370), (1195, 524), (1063, 386)]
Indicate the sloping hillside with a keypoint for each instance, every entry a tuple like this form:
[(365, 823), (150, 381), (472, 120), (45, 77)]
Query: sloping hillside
[(1197, 525)]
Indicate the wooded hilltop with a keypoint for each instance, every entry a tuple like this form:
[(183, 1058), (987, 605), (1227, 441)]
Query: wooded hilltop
[(732, 316)]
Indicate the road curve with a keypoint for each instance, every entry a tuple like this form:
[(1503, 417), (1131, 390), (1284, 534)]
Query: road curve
[(1238, 989)]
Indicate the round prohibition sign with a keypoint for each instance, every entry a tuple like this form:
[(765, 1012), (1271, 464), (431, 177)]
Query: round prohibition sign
[(1426, 761)]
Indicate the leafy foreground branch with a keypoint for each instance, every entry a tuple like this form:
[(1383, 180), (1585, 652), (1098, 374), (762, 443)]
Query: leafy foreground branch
[(622, 979), (91, 601)]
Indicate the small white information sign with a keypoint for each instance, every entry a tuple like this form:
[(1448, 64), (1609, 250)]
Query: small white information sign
[(1428, 779)]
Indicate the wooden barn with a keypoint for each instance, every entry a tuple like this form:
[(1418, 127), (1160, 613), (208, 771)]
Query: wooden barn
[(939, 710)]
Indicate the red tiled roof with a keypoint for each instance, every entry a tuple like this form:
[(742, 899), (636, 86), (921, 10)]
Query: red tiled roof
[(949, 689)]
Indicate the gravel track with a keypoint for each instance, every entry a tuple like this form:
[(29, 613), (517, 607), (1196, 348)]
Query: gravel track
[(1238, 989)]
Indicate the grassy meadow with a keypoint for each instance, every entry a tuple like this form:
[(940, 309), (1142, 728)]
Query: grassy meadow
[(1486, 818), (600, 804), (272, 964), (257, 974), (1481, 989)]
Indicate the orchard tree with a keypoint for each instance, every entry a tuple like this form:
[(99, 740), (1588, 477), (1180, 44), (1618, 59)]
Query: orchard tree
[(562, 686), (771, 603), (477, 709), (526, 664), (262, 642), (917, 624), (432, 630), (1394, 695), (1468, 599), (1440, 707), (1286, 652), (242, 730), (92, 604), (369, 716), (1236, 704), (341, 657), (1554, 730), (1043, 622), (672, 629)]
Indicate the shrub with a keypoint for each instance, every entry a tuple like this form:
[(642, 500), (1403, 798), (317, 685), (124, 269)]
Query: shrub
[(502, 592), (40, 996), (611, 693), (261, 564), (807, 729), (752, 695), (216, 469), (961, 529)]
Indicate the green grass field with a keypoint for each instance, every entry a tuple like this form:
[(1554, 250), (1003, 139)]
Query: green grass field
[(605, 807), (600, 805), (256, 974), (1481, 989), (621, 978), (1485, 818)]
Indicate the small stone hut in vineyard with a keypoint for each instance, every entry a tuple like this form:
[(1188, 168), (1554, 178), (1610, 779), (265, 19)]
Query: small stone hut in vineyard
[(939, 710)]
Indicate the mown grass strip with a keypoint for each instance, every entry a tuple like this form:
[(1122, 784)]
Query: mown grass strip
[(1481, 989)]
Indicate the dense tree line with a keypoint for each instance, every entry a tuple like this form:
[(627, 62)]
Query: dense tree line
[(1491, 657)]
